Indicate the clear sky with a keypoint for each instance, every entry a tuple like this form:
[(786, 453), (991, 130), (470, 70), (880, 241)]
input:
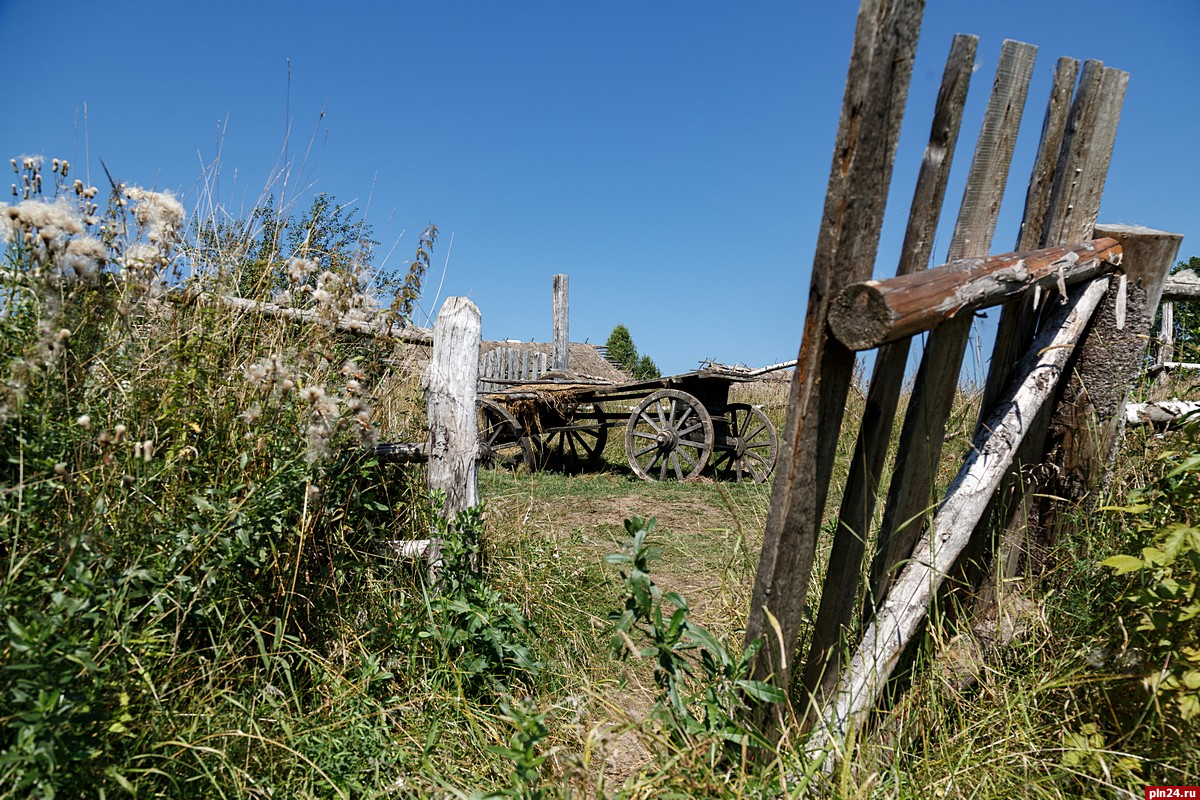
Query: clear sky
[(670, 156)]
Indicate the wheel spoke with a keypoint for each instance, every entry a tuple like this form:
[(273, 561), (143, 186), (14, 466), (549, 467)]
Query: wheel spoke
[(750, 449), (686, 457), (670, 435)]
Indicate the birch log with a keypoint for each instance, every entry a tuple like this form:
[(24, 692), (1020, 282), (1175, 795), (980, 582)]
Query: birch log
[(1184, 285), (899, 617), (1162, 412)]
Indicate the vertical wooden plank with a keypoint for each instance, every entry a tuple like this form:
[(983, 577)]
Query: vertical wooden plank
[(487, 362), (876, 88), (450, 402), (561, 318), (1086, 154), (900, 617), (1015, 329), (1070, 215), (1166, 342), (844, 575), (910, 496)]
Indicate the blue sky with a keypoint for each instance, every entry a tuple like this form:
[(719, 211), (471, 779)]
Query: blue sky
[(670, 156)]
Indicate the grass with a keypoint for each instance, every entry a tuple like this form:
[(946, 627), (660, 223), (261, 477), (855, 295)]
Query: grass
[(195, 603)]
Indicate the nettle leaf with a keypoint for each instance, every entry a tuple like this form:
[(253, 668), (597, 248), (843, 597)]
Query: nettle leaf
[(1178, 538), (1152, 555), (1189, 706), (761, 690), (676, 599), (1124, 564)]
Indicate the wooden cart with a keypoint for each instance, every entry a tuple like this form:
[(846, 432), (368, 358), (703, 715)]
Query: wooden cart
[(678, 427)]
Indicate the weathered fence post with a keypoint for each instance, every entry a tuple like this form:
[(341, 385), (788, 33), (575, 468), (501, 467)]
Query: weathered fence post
[(1165, 351), (561, 317), (1089, 415), (843, 576), (885, 43), (450, 402)]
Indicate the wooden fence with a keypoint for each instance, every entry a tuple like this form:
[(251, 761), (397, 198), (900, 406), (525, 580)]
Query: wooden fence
[(1065, 310), (1184, 286), (504, 366)]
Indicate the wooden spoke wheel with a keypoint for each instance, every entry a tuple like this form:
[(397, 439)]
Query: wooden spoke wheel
[(750, 445), (669, 436), (576, 443), (502, 439)]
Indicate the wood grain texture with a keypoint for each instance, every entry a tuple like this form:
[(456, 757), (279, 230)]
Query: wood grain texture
[(450, 400), (1089, 416), (910, 496), (876, 88), (901, 615), (1017, 322), (843, 577), (562, 315), (1183, 285), (871, 313)]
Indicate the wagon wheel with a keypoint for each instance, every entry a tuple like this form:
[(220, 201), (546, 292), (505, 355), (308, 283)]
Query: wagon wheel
[(671, 433), (575, 443), (502, 440), (750, 448)]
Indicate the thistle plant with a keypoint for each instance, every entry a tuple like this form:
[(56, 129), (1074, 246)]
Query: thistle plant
[(187, 504)]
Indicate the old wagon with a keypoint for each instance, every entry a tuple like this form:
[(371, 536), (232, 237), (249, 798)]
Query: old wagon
[(677, 427)]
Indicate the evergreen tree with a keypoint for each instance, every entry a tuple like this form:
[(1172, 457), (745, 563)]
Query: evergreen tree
[(621, 350), (645, 369)]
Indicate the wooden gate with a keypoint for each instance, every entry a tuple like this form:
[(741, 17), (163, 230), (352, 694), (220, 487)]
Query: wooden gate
[(1065, 307)]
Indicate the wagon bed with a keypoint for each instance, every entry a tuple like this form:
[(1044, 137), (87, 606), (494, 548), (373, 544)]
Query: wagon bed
[(676, 427)]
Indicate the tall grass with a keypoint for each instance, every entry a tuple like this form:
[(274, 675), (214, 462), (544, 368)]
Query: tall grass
[(194, 600), (195, 604)]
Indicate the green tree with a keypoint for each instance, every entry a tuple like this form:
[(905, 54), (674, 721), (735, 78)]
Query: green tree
[(621, 350), (645, 369), (1187, 314), (255, 251)]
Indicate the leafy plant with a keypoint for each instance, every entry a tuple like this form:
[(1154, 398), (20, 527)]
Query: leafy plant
[(703, 685), (522, 750), (482, 639), (1164, 599)]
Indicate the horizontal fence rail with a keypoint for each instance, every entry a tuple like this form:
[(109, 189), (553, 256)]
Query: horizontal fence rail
[(871, 313)]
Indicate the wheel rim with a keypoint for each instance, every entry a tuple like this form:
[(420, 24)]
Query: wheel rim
[(502, 439), (669, 436), (750, 445)]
